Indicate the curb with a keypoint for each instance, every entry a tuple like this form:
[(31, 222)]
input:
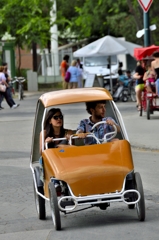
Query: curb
[(141, 148)]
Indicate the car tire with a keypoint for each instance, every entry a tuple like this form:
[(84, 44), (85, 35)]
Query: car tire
[(140, 206), (40, 203), (54, 207)]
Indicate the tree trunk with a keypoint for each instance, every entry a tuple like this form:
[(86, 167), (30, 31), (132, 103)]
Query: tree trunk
[(34, 57)]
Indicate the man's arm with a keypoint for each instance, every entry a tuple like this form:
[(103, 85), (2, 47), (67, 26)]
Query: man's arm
[(81, 129), (112, 122)]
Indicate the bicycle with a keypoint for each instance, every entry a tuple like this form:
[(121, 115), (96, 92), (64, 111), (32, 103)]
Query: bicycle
[(148, 103), (20, 81)]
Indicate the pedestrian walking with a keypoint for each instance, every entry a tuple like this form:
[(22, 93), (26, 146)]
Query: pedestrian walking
[(75, 74), (63, 68), (4, 77), (80, 78)]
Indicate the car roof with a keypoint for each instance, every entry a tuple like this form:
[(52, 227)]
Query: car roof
[(74, 96)]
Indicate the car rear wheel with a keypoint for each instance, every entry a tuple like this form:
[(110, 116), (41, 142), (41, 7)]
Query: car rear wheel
[(54, 207), (40, 203), (140, 206)]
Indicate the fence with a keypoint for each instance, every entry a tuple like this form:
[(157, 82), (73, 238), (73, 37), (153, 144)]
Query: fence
[(49, 67)]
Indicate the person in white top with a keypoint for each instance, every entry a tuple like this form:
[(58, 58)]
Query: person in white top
[(7, 94), (80, 78)]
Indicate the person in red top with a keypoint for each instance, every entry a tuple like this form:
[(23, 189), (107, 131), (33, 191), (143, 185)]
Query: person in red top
[(63, 67)]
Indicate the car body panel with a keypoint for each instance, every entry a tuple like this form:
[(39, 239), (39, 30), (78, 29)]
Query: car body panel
[(74, 96), (89, 170)]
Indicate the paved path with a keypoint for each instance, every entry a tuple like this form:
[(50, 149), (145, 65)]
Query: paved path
[(142, 133)]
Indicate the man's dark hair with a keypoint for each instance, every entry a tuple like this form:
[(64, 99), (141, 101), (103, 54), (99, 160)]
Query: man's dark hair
[(66, 58), (4, 64), (90, 105), (128, 71)]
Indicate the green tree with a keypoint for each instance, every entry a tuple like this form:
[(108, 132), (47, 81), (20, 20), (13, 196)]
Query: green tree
[(29, 22), (94, 19)]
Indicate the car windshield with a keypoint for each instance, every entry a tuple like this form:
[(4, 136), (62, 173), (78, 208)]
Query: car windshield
[(99, 61)]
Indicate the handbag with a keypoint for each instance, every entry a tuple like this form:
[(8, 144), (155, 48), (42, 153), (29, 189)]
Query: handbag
[(2, 88), (67, 76)]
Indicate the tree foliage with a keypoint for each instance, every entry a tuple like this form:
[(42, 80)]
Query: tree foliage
[(29, 20), (94, 19)]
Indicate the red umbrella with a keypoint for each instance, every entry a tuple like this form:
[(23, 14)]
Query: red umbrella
[(140, 53)]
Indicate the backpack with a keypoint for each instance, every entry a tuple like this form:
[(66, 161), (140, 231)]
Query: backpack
[(67, 76)]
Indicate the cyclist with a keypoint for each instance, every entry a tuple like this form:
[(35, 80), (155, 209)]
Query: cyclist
[(149, 79), (139, 73)]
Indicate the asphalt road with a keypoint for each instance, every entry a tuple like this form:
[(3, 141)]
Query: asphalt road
[(18, 218)]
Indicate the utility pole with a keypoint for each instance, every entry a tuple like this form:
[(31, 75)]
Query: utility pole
[(147, 29)]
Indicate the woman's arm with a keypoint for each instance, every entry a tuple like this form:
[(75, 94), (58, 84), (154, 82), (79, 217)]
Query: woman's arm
[(136, 75), (145, 77), (153, 69), (40, 141), (5, 83)]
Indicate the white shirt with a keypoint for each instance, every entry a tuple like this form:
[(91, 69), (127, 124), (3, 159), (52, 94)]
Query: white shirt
[(2, 77)]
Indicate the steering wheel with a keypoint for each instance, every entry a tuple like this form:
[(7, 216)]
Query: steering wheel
[(111, 134), (87, 135)]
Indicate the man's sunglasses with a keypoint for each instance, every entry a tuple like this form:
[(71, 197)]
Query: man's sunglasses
[(57, 117)]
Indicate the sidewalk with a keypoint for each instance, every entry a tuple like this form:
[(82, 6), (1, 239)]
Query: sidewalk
[(142, 133)]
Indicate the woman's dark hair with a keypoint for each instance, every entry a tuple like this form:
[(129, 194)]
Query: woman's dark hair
[(48, 127), (90, 105), (155, 54)]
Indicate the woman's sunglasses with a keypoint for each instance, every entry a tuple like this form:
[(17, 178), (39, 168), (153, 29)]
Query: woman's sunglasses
[(58, 117)]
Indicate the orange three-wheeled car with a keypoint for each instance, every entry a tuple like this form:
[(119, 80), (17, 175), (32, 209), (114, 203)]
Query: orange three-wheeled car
[(90, 175)]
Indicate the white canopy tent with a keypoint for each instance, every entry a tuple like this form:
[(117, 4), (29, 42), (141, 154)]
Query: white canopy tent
[(107, 46)]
